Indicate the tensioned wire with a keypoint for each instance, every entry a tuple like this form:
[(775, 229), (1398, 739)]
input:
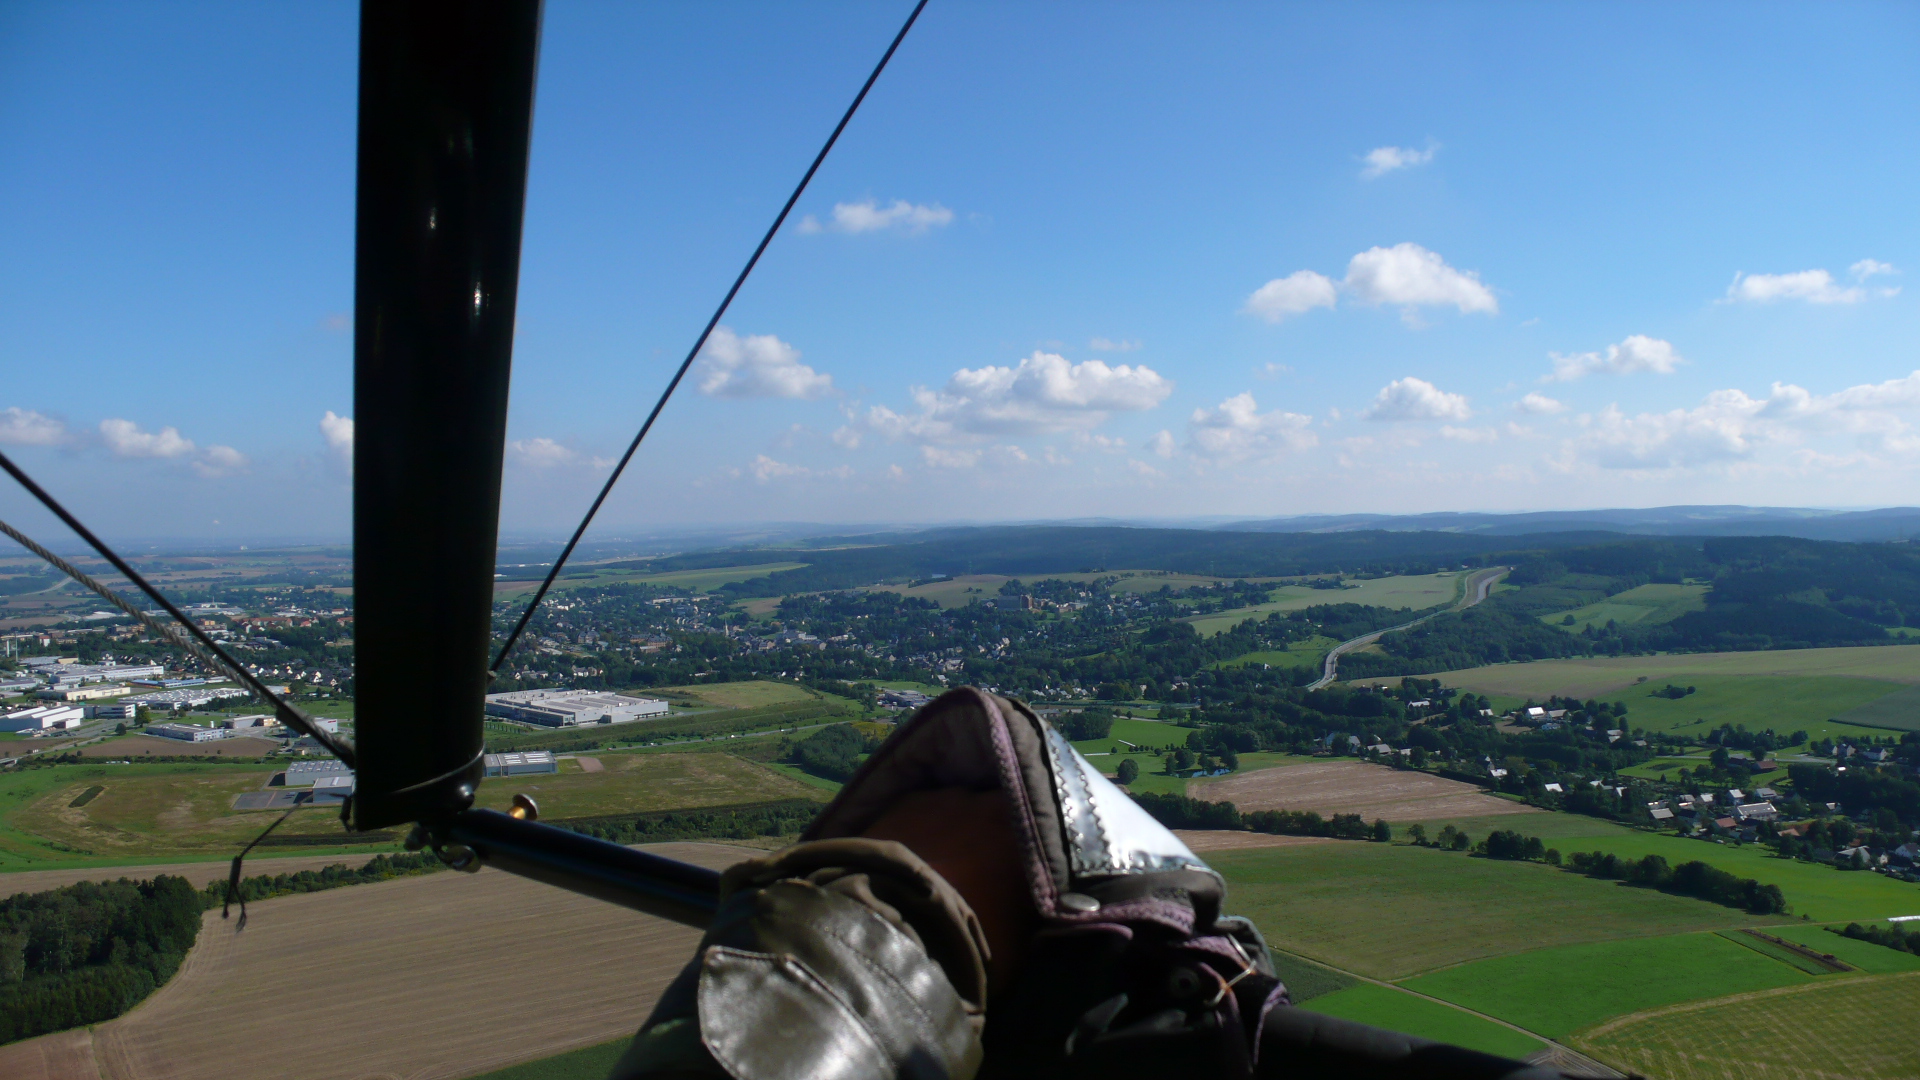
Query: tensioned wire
[(540, 594)]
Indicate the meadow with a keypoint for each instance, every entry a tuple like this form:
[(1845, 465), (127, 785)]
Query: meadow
[(1900, 710), (1557, 991), (1417, 592), (1593, 676), (1842, 1028), (1391, 911), (1650, 604), (1397, 1010), (737, 695), (1299, 654), (1820, 892), (691, 580), (1865, 955), (1782, 702)]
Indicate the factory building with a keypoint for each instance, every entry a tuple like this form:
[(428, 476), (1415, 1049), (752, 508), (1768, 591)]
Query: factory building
[(569, 708), (44, 718), (187, 732), (532, 761), (306, 773), (185, 699), (83, 693), (331, 789), (117, 711)]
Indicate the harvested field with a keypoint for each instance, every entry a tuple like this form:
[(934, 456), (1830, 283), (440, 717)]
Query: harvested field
[(1201, 841), (1593, 676), (137, 746), (1354, 787), (441, 976)]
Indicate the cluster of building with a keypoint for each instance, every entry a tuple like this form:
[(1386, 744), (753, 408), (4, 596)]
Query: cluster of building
[(1732, 812), (572, 708)]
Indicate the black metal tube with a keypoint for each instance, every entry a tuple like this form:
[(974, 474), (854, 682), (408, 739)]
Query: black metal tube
[(446, 112), (620, 875)]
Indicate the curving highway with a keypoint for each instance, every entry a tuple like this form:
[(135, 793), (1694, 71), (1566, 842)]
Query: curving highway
[(1478, 586)]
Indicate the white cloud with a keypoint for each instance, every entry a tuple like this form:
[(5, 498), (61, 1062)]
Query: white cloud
[(846, 437), (1237, 430), (25, 427), (1042, 393), (1636, 354), (1539, 404), (943, 458), (541, 453), (1812, 286), (869, 216), (1162, 443), (1111, 444), (125, 439), (1101, 344), (1405, 274), (1417, 399), (1295, 294), (338, 431), (758, 365), (1410, 275), (1469, 435), (220, 461), (1143, 469), (1385, 159)]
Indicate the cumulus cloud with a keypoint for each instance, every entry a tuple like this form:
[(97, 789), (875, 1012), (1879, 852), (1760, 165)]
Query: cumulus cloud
[(338, 431), (1812, 286), (1468, 435), (1406, 275), (1237, 430), (1636, 354), (1042, 393), (1385, 159), (1538, 404), (1417, 399), (541, 453), (758, 365), (869, 216), (1295, 294), (940, 457), (1162, 444), (220, 461), (125, 439), (25, 427), (1412, 276), (1142, 469), (1731, 425), (846, 437), (1101, 344)]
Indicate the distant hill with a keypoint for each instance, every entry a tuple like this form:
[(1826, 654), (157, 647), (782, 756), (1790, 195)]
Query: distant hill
[(1892, 523)]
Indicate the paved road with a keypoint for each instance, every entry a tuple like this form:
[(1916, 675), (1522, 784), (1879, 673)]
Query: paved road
[(1478, 586)]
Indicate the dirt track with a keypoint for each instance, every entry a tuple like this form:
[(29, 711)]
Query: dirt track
[(433, 977), (1354, 787)]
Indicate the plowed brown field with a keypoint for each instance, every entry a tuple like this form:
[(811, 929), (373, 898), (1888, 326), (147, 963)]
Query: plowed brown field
[(434, 977), (1354, 787)]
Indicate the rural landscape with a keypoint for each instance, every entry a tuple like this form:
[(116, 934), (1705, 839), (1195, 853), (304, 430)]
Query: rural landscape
[(1597, 795)]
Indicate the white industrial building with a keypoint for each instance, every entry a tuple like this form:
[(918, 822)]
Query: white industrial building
[(569, 708), (44, 718), (76, 692), (332, 788), (187, 732), (305, 773), (521, 764), (185, 699)]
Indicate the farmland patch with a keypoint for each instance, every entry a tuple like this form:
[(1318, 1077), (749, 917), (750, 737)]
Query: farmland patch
[(1351, 787), (1397, 1010)]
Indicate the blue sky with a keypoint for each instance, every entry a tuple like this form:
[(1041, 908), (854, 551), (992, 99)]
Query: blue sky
[(1070, 260)]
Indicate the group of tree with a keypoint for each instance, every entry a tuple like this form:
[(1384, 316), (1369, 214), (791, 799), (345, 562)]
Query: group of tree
[(833, 752), (1181, 812), (1906, 941), (1694, 878), (783, 818)]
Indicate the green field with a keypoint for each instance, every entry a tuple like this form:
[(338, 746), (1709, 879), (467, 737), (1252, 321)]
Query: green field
[(1781, 702), (1414, 591), (1829, 1028), (1593, 676), (1900, 709), (1300, 654), (1806, 965), (690, 580), (1305, 979), (590, 1063), (1391, 911), (1557, 991), (1865, 955), (1384, 1006), (739, 695), (1650, 604)]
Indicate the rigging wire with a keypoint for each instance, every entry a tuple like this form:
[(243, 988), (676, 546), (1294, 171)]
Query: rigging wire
[(203, 648), (700, 343)]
